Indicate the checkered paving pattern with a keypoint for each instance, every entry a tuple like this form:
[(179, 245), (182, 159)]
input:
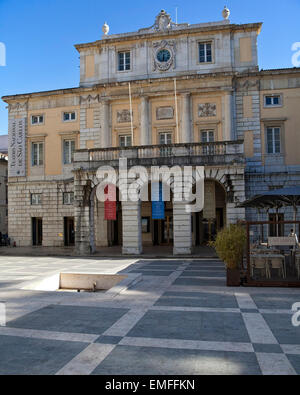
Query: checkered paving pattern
[(180, 319)]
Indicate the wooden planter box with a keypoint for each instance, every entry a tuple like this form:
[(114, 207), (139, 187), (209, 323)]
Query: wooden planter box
[(233, 278)]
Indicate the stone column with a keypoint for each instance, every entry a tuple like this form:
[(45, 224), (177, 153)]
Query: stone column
[(186, 119), (82, 220), (145, 130), (132, 228), (105, 129), (228, 134), (182, 230)]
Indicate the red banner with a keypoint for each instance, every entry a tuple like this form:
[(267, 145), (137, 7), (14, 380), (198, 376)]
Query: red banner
[(110, 205)]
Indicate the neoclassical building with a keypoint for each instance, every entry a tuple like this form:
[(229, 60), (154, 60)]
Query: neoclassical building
[(168, 95)]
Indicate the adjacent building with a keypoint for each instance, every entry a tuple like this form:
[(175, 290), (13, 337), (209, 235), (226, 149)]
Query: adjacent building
[(168, 95)]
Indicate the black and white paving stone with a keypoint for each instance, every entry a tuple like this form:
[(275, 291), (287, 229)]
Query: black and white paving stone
[(180, 319)]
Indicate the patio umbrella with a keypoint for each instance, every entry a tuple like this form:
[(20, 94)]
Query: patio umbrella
[(285, 197)]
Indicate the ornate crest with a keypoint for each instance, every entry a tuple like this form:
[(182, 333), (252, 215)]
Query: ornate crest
[(88, 100), (18, 106), (123, 116), (163, 22), (160, 46), (207, 110)]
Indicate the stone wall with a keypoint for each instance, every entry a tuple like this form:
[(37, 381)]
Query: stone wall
[(52, 211)]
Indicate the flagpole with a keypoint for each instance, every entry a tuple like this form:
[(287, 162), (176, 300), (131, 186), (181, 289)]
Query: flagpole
[(131, 120), (176, 111)]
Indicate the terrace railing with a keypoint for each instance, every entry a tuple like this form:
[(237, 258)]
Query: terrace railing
[(230, 148)]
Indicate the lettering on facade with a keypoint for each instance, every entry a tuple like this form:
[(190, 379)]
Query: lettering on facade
[(16, 150), (123, 116), (164, 113), (207, 110)]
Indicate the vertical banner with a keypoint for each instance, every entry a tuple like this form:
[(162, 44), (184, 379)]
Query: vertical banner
[(158, 205), (16, 148), (110, 204)]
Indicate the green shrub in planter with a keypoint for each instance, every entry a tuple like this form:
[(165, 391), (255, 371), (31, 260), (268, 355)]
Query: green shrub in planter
[(230, 245)]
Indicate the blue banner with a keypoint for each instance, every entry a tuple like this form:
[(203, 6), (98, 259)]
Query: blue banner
[(158, 205)]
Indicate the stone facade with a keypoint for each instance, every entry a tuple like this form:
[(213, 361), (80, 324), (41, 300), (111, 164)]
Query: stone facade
[(213, 115)]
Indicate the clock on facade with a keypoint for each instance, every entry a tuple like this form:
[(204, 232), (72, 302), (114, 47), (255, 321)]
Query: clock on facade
[(163, 56)]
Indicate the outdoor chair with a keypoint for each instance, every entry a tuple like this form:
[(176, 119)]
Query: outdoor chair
[(278, 264), (258, 263)]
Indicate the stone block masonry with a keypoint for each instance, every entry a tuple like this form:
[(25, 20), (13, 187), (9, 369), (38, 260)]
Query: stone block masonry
[(51, 210)]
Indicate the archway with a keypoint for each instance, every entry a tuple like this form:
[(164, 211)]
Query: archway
[(105, 233), (207, 223), (157, 233)]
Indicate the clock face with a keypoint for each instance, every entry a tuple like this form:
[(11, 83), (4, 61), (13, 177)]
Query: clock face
[(163, 56)]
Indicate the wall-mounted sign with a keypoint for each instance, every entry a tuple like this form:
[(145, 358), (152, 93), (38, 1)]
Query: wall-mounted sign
[(110, 204), (158, 205), (16, 148)]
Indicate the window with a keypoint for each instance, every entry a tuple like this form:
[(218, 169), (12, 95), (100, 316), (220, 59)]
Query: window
[(207, 136), (68, 198), (69, 149), (146, 225), (36, 199), (125, 141), (37, 119), (37, 154), (205, 52), (273, 141), (124, 61), (274, 229), (165, 139), (69, 116), (273, 101)]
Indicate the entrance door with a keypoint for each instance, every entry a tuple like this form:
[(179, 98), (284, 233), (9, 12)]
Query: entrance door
[(69, 231), (163, 231), (167, 230), (37, 231)]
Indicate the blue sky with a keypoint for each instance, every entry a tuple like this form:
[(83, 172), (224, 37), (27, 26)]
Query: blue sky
[(39, 34)]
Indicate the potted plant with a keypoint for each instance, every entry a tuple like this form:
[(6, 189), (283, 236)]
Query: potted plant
[(230, 245)]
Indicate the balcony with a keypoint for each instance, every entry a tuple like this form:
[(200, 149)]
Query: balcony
[(198, 154)]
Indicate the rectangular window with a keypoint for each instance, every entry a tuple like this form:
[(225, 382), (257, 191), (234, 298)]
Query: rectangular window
[(207, 136), (36, 199), (68, 198), (124, 61), (276, 229), (125, 141), (273, 101), (69, 116), (273, 141), (146, 225), (37, 119), (165, 139), (69, 149), (37, 152), (205, 52)]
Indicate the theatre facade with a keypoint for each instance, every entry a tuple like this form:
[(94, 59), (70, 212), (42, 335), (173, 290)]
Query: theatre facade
[(167, 95)]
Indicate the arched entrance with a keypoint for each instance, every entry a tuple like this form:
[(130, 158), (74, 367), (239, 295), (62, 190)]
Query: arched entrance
[(207, 223), (107, 233), (157, 232)]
